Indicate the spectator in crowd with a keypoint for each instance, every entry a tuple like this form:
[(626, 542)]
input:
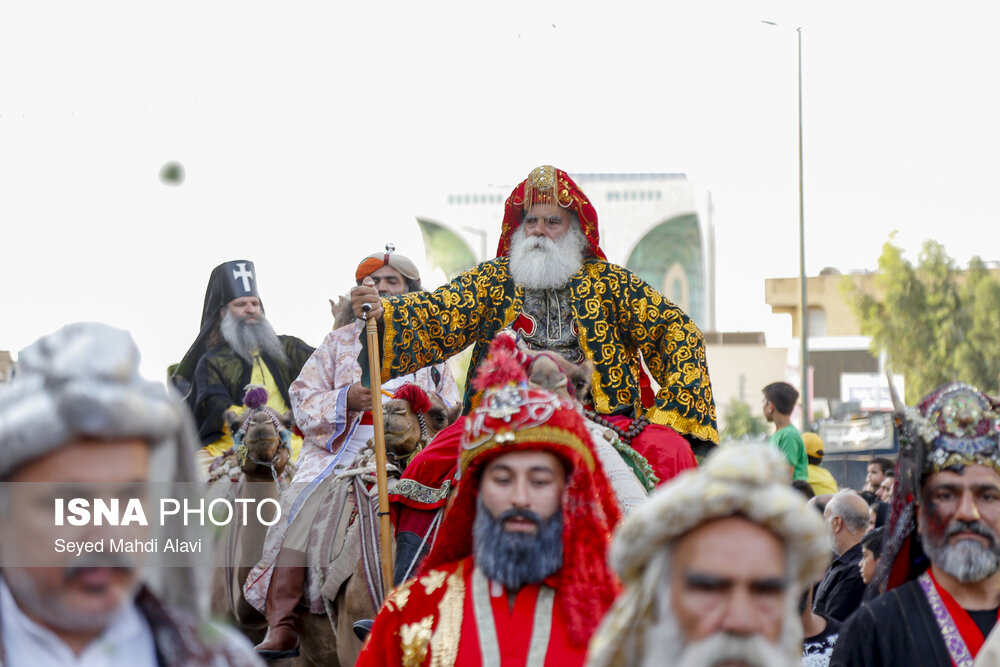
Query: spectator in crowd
[(871, 551), (877, 470), (820, 478), (820, 633), (885, 489), (779, 401), (840, 592), (803, 487)]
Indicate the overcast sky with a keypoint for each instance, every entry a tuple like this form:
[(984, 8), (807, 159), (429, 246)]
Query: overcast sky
[(311, 132)]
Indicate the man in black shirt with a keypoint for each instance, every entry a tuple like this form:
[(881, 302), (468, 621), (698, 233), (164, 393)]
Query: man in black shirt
[(842, 588)]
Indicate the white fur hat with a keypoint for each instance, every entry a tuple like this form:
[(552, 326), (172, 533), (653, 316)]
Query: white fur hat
[(82, 380)]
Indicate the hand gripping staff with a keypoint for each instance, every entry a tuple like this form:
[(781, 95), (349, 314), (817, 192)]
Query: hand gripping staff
[(375, 378)]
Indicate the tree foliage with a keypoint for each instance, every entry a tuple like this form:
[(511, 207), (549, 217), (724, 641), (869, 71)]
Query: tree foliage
[(936, 323), (740, 422)]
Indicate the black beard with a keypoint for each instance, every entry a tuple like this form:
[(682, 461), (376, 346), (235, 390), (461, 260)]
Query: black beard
[(513, 558)]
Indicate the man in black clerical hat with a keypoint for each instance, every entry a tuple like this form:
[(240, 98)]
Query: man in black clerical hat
[(236, 347)]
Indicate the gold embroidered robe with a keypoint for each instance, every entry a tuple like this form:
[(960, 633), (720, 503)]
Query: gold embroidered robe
[(617, 314)]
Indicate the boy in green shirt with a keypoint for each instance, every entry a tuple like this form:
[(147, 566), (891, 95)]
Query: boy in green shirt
[(779, 401)]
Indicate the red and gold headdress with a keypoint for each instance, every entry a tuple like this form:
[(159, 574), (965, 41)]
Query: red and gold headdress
[(548, 185), (514, 417)]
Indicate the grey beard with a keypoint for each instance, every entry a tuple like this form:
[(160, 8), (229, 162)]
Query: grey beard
[(967, 560), (541, 263), (247, 340), (516, 559), (53, 611)]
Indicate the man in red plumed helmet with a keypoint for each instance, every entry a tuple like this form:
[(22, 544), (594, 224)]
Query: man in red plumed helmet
[(518, 574), (552, 284)]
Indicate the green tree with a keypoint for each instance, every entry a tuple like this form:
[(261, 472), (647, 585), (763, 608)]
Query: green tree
[(740, 421), (935, 324), (978, 356)]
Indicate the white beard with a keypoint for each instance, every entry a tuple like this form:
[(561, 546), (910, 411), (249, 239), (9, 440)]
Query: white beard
[(541, 263), (664, 641), (722, 647)]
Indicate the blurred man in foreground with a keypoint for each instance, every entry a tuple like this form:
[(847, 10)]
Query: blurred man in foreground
[(77, 418), (714, 565)]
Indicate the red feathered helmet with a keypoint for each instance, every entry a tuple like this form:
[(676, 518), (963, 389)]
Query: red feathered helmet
[(548, 185), (514, 417)]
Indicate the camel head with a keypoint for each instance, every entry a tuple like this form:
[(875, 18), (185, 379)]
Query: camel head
[(552, 371), (511, 361), (412, 418), (263, 435)]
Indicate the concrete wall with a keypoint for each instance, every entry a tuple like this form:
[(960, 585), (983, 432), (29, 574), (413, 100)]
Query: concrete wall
[(741, 371)]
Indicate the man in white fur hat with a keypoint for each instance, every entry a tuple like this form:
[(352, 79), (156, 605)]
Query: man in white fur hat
[(714, 565), (79, 418)]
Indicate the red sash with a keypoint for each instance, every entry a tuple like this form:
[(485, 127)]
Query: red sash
[(966, 627)]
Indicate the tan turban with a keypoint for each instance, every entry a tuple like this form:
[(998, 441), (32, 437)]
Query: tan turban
[(376, 261)]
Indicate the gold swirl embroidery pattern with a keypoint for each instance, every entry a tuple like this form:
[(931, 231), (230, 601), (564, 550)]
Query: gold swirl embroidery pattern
[(429, 327), (444, 643), (413, 641), (618, 316)]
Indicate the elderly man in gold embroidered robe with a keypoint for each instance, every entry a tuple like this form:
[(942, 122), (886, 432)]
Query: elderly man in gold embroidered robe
[(518, 574), (551, 283)]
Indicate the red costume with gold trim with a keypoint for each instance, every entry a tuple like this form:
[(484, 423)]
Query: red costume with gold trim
[(445, 615)]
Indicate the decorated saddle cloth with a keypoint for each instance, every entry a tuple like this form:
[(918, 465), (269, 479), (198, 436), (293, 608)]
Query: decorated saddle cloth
[(334, 542)]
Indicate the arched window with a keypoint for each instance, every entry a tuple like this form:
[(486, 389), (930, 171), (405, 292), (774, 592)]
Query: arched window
[(676, 286)]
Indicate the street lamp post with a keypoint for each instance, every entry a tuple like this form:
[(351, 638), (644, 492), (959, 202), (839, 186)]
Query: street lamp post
[(804, 303), (803, 300)]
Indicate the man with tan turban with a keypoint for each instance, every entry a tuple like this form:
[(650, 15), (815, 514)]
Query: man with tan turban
[(714, 565), (333, 410)]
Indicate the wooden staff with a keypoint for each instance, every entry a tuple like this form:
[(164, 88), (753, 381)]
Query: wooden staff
[(375, 376)]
